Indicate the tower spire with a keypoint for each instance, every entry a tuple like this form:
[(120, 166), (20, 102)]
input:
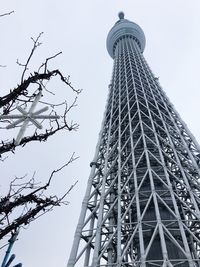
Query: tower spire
[(121, 15)]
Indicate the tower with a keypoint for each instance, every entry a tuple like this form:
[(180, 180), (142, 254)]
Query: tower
[(141, 206)]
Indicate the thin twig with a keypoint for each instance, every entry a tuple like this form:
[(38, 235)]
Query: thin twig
[(7, 14), (36, 43), (46, 62)]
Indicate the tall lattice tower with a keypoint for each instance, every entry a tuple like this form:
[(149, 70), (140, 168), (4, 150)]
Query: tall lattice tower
[(141, 206)]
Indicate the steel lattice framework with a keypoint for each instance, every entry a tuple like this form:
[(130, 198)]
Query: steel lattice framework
[(141, 206)]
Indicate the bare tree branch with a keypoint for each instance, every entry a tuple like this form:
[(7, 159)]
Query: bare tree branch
[(21, 89), (25, 200), (7, 14), (33, 204), (46, 62), (36, 43), (55, 126)]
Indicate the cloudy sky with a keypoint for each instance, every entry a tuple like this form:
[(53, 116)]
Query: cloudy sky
[(79, 28)]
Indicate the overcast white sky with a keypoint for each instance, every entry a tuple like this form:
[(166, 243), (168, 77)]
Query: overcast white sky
[(79, 29)]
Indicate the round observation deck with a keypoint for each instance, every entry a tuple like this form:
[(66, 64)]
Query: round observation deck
[(122, 28)]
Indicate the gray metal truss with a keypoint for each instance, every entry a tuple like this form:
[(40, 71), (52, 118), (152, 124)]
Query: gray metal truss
[(141, 206)]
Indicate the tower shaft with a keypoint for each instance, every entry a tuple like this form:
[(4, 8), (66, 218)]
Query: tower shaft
[(141, 206)]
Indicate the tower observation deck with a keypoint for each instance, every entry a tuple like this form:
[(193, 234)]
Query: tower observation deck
[(141, 206)]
